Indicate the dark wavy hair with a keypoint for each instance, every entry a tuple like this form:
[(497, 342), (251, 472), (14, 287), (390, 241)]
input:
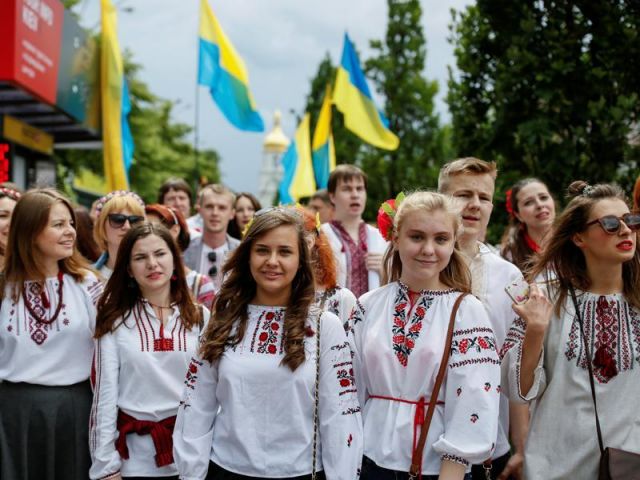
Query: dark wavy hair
[(562, 256), (239, 289), (121, 295), (233, 228)]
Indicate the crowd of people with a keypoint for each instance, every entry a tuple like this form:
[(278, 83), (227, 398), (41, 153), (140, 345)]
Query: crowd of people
[(223, 340)]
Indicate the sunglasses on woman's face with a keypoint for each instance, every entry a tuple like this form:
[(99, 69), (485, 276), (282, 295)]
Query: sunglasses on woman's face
[(117, 220), (612, 224)]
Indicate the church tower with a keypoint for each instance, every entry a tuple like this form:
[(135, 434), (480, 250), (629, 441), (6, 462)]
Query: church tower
[(274, 146)]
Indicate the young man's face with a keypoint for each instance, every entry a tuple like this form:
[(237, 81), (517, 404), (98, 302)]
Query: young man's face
[(216, 211), (474, 194), (349, 198)]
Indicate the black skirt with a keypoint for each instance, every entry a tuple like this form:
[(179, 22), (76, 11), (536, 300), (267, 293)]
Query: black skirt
[(216, 472), (44, 431)]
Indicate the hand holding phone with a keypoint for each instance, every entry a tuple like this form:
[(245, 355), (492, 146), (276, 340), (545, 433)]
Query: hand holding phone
[(518, 291)]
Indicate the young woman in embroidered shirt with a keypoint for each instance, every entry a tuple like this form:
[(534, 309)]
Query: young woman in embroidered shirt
[(201, 286), (532, 211), (147, 330), (47, 320), (248, 407), (593, 248), (399, 332), (116, 213), (9, 196)]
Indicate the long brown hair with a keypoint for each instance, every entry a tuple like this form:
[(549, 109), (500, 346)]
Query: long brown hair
[(513, 244), (23, 260), (456, 274), (562, 257), (122, 292), (239, 289)]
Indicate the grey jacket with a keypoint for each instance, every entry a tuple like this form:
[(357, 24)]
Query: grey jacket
[(193, 253)]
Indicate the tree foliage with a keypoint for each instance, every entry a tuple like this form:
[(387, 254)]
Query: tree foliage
[(548, 89), (396, 71), (162, 147)]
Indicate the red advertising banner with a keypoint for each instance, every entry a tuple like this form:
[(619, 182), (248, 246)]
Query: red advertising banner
[(36, 45)]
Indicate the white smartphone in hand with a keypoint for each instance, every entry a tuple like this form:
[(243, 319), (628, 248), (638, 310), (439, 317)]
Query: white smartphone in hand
[(518, 291)]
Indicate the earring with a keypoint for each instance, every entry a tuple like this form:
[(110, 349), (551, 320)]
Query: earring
[(174, 277)]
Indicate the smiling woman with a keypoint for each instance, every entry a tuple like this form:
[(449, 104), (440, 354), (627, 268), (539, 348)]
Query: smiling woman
[(47, 318), (256, 372)]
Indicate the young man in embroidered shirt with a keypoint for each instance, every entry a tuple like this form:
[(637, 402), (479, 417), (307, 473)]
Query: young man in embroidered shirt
[(472, 182), (207, 254), (357, 247)]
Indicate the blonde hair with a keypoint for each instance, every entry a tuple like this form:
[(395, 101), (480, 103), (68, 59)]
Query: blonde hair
[(465, 166), (456, 274), (116, 204)]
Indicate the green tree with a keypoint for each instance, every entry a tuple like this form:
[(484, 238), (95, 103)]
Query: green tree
[(397, 73), (162, 147), (548, 89)]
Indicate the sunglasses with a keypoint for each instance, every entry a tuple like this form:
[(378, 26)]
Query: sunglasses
[(612, 224), (213, 271), (117, 220)]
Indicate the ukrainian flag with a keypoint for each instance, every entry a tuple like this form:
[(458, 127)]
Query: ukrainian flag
[(116, 136), (323, 151), (353, 98), (297, 180), (222, 70)]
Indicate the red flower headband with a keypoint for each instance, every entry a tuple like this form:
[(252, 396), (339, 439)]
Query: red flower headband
[(509, 203), (386, 215)]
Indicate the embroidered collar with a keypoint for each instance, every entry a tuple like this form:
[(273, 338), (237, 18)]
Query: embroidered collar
[(429, 293)]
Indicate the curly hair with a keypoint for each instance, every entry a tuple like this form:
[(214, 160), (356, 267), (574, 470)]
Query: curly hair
[(120, 295), (239, 289), (322, 258), (562, 256)]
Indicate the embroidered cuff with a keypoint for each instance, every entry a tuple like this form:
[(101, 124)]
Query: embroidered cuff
[(454, 459), (111, 475)]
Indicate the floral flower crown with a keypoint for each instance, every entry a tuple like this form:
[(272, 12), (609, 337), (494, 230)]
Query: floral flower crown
[(117, 193), (387, 214), (11, 193)]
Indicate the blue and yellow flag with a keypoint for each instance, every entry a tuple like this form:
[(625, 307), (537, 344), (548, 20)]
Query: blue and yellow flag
[(222, 70), (353, 98), (117, 141), (297, 179), (322, 149)]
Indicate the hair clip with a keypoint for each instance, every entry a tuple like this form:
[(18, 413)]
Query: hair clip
[(588, 190), (318, 222), (386, 215), (117, 193), (246, 228)]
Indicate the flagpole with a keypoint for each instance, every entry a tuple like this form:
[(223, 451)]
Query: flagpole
[(196, 138)]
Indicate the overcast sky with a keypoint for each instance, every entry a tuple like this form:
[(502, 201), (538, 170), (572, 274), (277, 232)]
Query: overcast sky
[(281, 41)]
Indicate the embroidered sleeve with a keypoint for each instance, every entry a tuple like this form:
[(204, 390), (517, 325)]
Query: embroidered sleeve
[(93, 289), (356, 321), (193, 432), (471, 389), (511, 355), (105, 459), (340, 419)]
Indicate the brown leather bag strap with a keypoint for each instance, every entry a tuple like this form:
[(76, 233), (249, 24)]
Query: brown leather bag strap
[(416, 460)]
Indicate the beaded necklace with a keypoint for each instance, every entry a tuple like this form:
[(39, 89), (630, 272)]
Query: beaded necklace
[(45, 303)]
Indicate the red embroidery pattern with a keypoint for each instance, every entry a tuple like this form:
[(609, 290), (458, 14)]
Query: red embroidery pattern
[(515, 336), (474, 417), (467, 344), (192, 373), (346, 380), (268, 333), (403, 340), (35, 294), (612, 331)]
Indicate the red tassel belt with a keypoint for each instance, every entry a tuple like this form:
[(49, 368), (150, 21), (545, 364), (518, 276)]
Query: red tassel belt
[(418, 418), (161, 433)]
